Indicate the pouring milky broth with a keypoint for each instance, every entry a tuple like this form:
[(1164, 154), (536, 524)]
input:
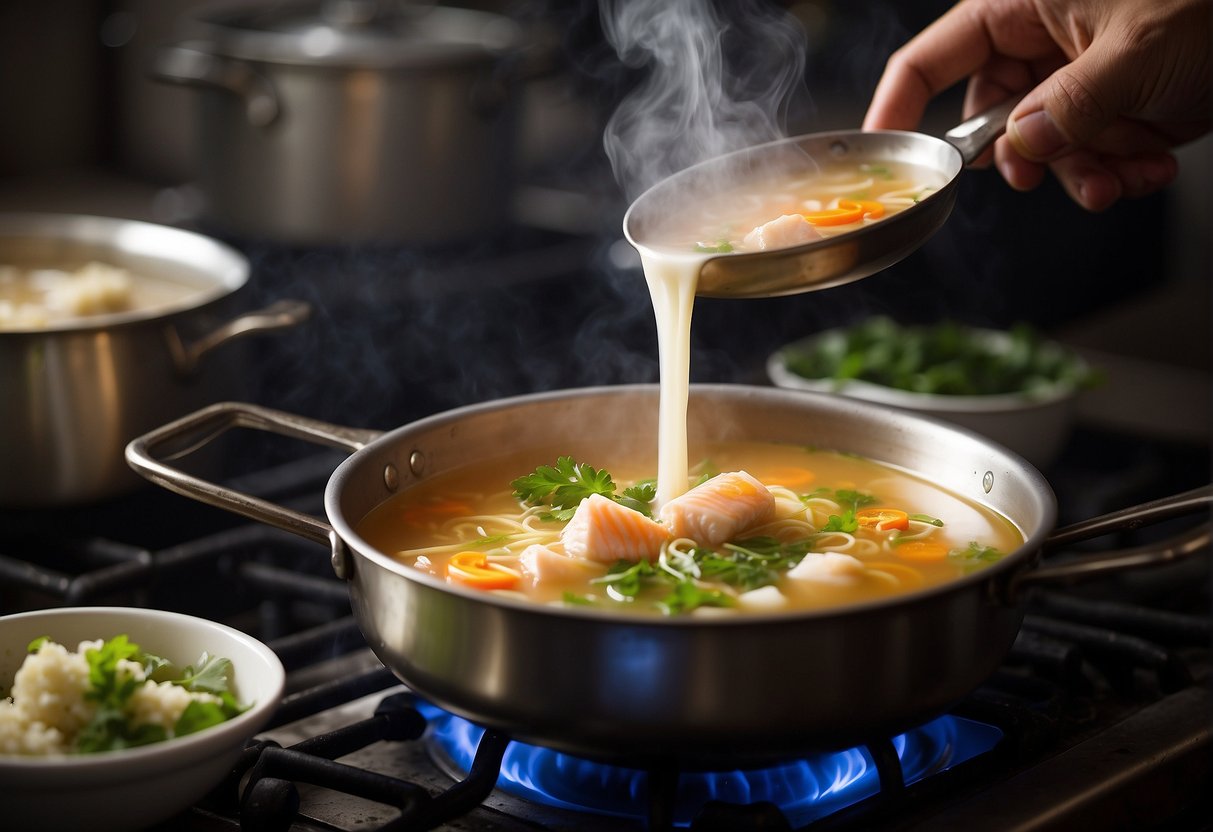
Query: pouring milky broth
[(750, 527)]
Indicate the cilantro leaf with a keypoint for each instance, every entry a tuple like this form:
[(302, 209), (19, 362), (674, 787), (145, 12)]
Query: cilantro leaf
[(752, 563), (640, 497), (210, 675), (846, 523), (564, 485), (625, 579), (573, 599), (686, 596), (977, 552)]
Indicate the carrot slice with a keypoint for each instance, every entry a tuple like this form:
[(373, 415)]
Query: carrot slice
[(847, 212), (883, 519), (474, 569), (835, 216), (921, 550), (871, 209)]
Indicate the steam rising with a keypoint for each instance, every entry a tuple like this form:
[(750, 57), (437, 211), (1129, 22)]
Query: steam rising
[(714, 85)]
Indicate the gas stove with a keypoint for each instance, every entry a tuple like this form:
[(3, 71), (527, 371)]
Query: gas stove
[(1098, 718)]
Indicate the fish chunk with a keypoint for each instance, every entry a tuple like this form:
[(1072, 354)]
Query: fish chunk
[(788, 230), (542, 565), (718, 509), (828, 568), (763, 598), (605, 531)]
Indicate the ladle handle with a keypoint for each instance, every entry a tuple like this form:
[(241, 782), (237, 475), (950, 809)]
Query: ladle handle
[(147, 455), (973, 136)]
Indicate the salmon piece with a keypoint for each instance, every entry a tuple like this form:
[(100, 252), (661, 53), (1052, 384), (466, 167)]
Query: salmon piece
[(788, 230), (542, 565), (605, 531), (718, 509)]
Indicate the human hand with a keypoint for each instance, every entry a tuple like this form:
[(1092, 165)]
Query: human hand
[(1108, 86)]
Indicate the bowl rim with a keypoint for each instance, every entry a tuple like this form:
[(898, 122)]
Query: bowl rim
[(244, 724), (1045, 396)]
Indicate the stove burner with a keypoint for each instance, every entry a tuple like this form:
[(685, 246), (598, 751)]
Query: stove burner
[(804, 790)]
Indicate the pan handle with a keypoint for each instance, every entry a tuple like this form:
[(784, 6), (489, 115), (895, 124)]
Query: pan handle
[(1177, 505), (972, 136), (147, 454), (1174, 549), (282, 314), (194, 63)]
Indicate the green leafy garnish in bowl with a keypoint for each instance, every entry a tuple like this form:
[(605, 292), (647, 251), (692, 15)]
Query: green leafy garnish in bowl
[(941, 359)]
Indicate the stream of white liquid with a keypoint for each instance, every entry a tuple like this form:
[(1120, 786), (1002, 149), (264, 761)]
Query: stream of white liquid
[(672, 280)]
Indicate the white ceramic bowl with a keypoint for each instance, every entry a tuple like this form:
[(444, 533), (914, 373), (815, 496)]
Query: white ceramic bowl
[(1035, 426), (137, 787)]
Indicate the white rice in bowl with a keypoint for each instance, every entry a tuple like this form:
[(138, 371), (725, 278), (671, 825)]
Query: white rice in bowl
[(48, 705)]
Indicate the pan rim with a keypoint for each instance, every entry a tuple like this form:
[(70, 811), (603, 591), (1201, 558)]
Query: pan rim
[(1022, 558)]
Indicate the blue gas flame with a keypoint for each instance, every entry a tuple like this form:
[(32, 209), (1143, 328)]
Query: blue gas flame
[(804, 790)]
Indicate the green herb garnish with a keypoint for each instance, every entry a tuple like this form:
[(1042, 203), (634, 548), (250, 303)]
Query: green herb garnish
[(721, 247), (111, 689), (942, 359), (850, 501), (566, 484), (687, 596), (977, 552)]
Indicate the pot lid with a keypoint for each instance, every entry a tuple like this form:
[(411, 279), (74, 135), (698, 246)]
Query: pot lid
[(357, 33)]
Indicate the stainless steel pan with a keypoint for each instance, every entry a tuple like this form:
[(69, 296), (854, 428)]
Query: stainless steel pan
[(835, 260), (702, 691)]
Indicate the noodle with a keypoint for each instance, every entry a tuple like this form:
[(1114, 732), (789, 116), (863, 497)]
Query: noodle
[(815, 524)]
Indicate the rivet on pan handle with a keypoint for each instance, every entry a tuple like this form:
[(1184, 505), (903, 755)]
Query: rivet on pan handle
[(147, 454)]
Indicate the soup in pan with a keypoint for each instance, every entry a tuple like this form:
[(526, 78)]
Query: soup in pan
[(763, 528), (789, 211), (752, 527)]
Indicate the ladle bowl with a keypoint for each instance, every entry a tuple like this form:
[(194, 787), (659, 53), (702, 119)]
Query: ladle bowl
[(834, 260)]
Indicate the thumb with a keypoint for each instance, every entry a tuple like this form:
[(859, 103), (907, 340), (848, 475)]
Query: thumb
[(1068, 109)]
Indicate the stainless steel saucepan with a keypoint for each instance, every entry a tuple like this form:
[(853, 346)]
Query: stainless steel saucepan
[(710, 691), (835, 260)]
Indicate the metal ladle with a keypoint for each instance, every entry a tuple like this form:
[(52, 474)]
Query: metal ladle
[(835, 260)]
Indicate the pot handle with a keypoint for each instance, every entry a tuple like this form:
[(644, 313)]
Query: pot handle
[(147, 455), (1077, 569), (282, 314), (194, 64)]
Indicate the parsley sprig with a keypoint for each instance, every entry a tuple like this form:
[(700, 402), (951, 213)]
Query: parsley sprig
[(850, 501), (564, 485)]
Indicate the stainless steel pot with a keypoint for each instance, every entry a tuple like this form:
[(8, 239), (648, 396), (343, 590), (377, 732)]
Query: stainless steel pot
[(705, 691), (336, 122), (76, 393)]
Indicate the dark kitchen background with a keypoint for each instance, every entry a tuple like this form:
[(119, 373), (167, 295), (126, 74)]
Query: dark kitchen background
[(549, 296)]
